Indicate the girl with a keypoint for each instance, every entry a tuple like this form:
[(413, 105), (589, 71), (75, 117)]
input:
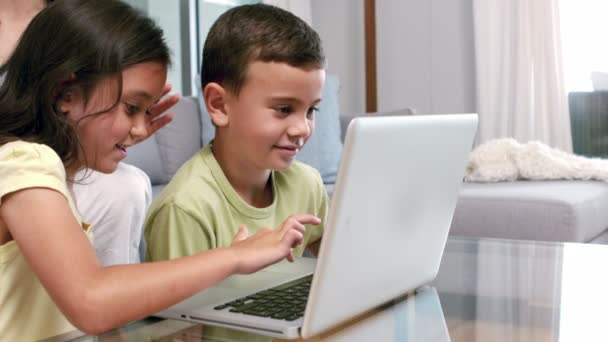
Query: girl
[(77, 92), (116, 203)]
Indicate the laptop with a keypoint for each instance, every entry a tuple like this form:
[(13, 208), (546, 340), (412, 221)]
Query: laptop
[(384, 236)]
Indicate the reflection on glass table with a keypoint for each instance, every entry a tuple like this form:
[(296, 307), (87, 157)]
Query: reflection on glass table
[(417, 317), (504, 290), (486, 290)]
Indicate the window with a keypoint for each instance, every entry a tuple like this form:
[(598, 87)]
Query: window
[(186, 24), (584, 27)]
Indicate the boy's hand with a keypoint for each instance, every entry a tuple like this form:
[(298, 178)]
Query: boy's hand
[(269, 246), (154, 121)]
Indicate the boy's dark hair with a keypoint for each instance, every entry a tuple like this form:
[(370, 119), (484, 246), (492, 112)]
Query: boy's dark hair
[(259, 32), (71, 44)]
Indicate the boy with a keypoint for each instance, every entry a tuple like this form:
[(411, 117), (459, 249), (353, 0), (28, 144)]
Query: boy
[(262, 76)]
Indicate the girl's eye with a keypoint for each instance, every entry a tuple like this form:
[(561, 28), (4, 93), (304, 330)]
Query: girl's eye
[(311, 112), (283, 109), (131, 109)]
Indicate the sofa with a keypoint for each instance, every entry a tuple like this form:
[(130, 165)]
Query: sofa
[(566, 211), (573, 211)]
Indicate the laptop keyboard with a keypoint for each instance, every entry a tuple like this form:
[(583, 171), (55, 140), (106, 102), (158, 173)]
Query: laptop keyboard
[(286, 301)]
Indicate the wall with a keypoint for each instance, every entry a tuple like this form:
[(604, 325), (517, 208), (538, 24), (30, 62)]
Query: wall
[(425, 53), (340, 25)]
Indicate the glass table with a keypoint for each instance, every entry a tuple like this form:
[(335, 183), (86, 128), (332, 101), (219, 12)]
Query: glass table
[(486, 290)]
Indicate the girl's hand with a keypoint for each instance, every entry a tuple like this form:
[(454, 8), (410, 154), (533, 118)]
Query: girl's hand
[(269, 246), (154, 121)]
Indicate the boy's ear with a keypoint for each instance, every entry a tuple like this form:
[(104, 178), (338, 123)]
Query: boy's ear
[(215, 100)]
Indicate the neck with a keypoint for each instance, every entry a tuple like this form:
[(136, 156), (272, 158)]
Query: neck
[(17, 11), (71, 169), (251, 183), (14, 18)]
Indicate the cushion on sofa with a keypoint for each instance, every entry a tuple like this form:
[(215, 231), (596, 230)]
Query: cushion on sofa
[(532, 210), (324, 148), (162, 155), (146, 156), (180, 140)]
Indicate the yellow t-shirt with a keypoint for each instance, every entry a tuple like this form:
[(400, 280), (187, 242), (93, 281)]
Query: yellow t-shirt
[(27, 312)]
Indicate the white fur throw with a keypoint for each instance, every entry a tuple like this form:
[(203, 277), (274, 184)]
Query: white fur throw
[(508, 160)]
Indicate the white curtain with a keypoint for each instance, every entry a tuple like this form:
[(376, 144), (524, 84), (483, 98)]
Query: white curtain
[(301, 8), (520, 85)]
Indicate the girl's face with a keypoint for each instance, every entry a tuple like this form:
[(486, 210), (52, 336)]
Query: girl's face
[(105, 137)]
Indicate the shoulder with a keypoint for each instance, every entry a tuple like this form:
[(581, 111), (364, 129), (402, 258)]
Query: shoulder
[(131, 172), (301, 188), (22, 150), (301, 178), (27, 165), (191, 189), (125, 177), (301, 172), (30, 156), (131, 180)]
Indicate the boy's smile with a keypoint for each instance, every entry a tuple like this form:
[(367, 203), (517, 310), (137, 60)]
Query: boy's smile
[(291, 149), (270, 119)]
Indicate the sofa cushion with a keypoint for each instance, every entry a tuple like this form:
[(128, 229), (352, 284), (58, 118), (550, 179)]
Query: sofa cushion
[(163, 154), (146, 156), (324, 148), (180, 140), (532, 210)]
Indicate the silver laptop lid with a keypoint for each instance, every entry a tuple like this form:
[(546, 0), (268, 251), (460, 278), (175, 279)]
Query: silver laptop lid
[(390, 213)]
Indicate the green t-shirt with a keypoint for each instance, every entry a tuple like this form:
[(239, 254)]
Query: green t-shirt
[(200, 210)]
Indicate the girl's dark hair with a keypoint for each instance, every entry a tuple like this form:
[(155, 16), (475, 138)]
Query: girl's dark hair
[(71, 44)]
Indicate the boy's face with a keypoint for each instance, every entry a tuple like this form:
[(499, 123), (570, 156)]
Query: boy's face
[(274, 114)]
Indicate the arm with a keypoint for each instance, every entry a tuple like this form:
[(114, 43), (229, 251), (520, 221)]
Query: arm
[(59, 253), (172, 232)]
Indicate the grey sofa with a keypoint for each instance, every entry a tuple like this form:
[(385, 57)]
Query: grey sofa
[(549, 211), (568, 211), (162, 155)]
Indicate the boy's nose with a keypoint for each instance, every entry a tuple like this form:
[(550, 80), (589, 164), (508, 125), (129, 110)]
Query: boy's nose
[(299, 128)]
